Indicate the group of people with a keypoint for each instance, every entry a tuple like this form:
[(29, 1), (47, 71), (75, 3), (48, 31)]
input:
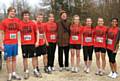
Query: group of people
[(40, 38)]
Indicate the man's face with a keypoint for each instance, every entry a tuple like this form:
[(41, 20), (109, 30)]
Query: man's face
[(26, 16), (64, 16), (12, 13), (39, 18)]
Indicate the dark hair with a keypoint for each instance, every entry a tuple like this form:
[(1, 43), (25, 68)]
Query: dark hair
[(9, 9), (114, 19), (40, 13), (61, 12), (25, 12)]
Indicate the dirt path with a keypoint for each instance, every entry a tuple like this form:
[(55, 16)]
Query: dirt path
[(63, 76)]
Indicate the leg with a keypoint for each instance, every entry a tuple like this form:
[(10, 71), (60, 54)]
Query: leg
[(53, 54), (98, 60), (49, 48), (9, 67), (34, 62), (90, 55), (72, 57), (60, 56), (85, 55), (103, 61), (45, 59), (9, 64), (25, 63), (66, 52), (78, 57), (14, 64)]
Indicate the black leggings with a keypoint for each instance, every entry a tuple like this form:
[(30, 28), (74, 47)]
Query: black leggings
[(111, 56), (51, 54), (60, 56), (87, 52)]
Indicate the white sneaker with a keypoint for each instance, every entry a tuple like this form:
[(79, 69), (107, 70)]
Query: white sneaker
[(16, 77), (67, 68), (61, 69), (114, 75), (88, 70), (53, 69), (9, 77), (49, 70), (110, 74), (97, 72), (36, 73), (76, 70), (72, 69)]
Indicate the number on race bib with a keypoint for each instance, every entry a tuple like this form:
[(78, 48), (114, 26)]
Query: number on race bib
[(52, 37), (99, 39), (12, 36), (41, 36), (27, 37), (109, 41), (74, 37), (88, 39)]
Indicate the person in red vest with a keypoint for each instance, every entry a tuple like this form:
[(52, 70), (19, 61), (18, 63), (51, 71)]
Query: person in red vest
[(41, 46), (88, 44), (51, 34), (28, 30), (100, 46), (10, 27), (75, 43), (113, 37)]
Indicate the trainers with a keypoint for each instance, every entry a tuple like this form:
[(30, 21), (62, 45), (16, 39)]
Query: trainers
[(53, 69), (26, 75), (72, 70), (76, 70), (36, 73), (16, 77), (38, 69), (101, 73), (61, 69), (114, 75), (46, 69), (88, 70), (110, 74), (49, 70), (97, 72), (67, 68), (9, 78)]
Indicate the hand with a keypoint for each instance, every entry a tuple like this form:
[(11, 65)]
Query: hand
[(36, 44), (47, 44), (115, 51), (2, 48)]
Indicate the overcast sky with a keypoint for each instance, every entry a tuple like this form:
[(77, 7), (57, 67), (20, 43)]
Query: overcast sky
[(8, 2)]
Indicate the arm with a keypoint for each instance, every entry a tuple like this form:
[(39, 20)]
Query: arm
[(1, 40), (117, 42), (37, 38), (46, 39)]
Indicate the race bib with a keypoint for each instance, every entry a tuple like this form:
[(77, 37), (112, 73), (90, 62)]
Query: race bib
[(99, 39), (74, 37), (27, 37), (109, 41), (41, 36), (52, 37), (88, 39), (12, 36)]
